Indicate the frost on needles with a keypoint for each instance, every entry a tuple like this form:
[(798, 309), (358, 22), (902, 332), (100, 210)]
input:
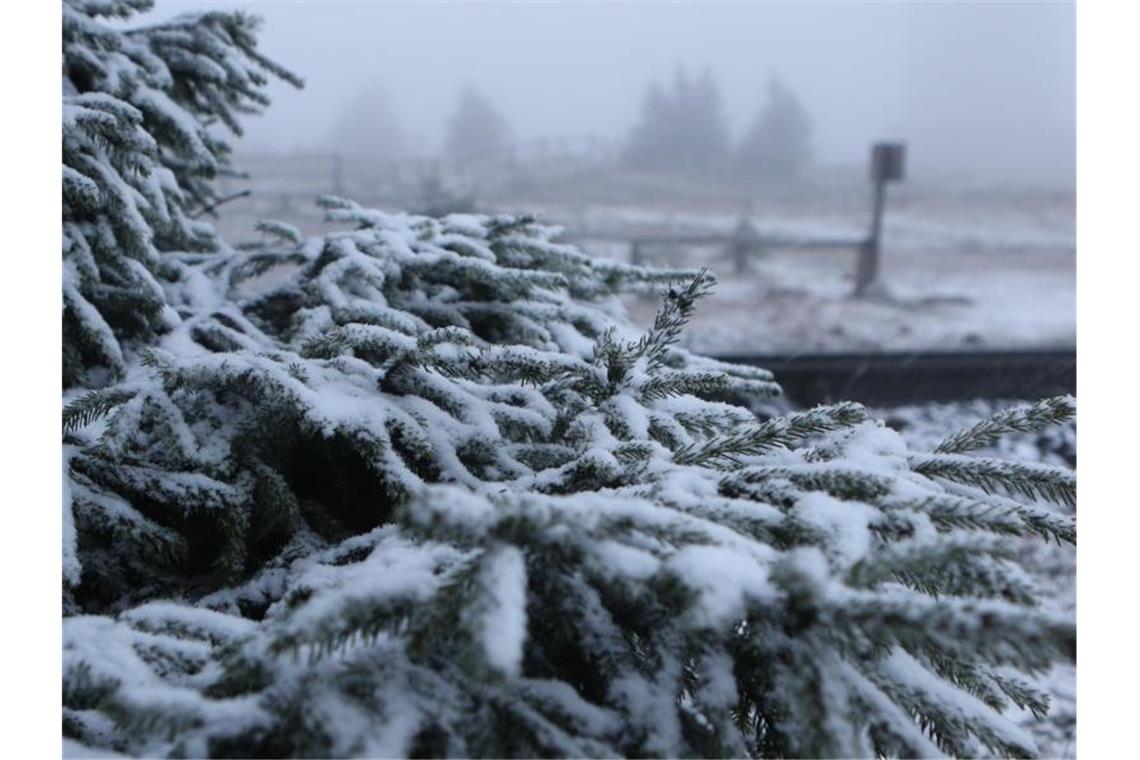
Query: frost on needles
[(433, 494), (141, 146)]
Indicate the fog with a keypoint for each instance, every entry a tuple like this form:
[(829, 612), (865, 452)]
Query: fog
[(980, 88)]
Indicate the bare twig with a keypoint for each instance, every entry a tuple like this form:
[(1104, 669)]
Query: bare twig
[(226, 199)]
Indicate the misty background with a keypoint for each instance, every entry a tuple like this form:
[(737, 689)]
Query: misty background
[(731, 136), (976, 87)]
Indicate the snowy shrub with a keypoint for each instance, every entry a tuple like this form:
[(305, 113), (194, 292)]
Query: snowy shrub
[(431, 493), (138, 157)]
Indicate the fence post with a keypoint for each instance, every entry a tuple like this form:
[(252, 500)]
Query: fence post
[(337, 175), (887, 165), (867, 266), (745, 242)]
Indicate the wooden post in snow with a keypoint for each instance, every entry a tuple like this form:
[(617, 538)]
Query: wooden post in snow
[(745, 244), (888, 162), (636, 254)]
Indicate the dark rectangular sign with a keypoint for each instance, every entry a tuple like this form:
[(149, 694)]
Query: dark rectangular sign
[(888, 162)]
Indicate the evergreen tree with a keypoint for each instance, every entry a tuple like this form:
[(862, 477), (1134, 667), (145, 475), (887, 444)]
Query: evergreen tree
[(682, 130), (476, 131), (432, 494), (139, 154), (778, 145), (369, 128), (647, 142)]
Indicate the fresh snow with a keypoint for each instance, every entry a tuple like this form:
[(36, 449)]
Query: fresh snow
[(503, 628), (522, 481)]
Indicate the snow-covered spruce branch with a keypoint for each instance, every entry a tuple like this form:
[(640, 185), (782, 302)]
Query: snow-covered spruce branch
[(360, 395), (1038, 519), (139, 152), (1002, 476), (953, 566), (777, 484), (667, 326), (1022, 419), (350, 607), (777, 432), (91, 406)]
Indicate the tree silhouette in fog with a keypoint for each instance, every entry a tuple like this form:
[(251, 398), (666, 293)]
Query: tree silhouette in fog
[(680, 130), (778, 145), (476, 131), (369, 127)]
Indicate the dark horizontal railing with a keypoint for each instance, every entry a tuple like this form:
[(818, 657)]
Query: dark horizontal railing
[(911, 377)]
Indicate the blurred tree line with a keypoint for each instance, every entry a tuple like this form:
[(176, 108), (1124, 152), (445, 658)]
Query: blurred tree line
[(476, 131), (681, 129), (684, 130), (370, 128)]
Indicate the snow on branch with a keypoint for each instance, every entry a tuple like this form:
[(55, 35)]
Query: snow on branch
[(432, 493), (1022, 419)]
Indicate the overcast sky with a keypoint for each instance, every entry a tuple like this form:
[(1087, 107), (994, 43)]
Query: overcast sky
[(985, 87)]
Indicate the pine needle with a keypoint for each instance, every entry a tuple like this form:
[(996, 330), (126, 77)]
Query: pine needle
[(1023, 419), (774, 433), (92, 406)]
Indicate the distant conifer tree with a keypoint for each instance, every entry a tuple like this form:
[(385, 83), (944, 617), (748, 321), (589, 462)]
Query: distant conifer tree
[(476, 131), (778, 145), (369, 128), (680, 130)]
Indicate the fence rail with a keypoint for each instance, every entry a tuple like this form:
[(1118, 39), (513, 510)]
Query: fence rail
[(912, 377), (742, 246)]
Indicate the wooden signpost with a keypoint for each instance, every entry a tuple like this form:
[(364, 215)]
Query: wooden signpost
[(888, 164)]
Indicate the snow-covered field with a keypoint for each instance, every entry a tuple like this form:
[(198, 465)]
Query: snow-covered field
[(801, 302), (965, 265), (998, 278)]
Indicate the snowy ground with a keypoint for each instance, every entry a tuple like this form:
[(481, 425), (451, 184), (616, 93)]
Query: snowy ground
[(966, 264), (1000, 282), (1055, 567)]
